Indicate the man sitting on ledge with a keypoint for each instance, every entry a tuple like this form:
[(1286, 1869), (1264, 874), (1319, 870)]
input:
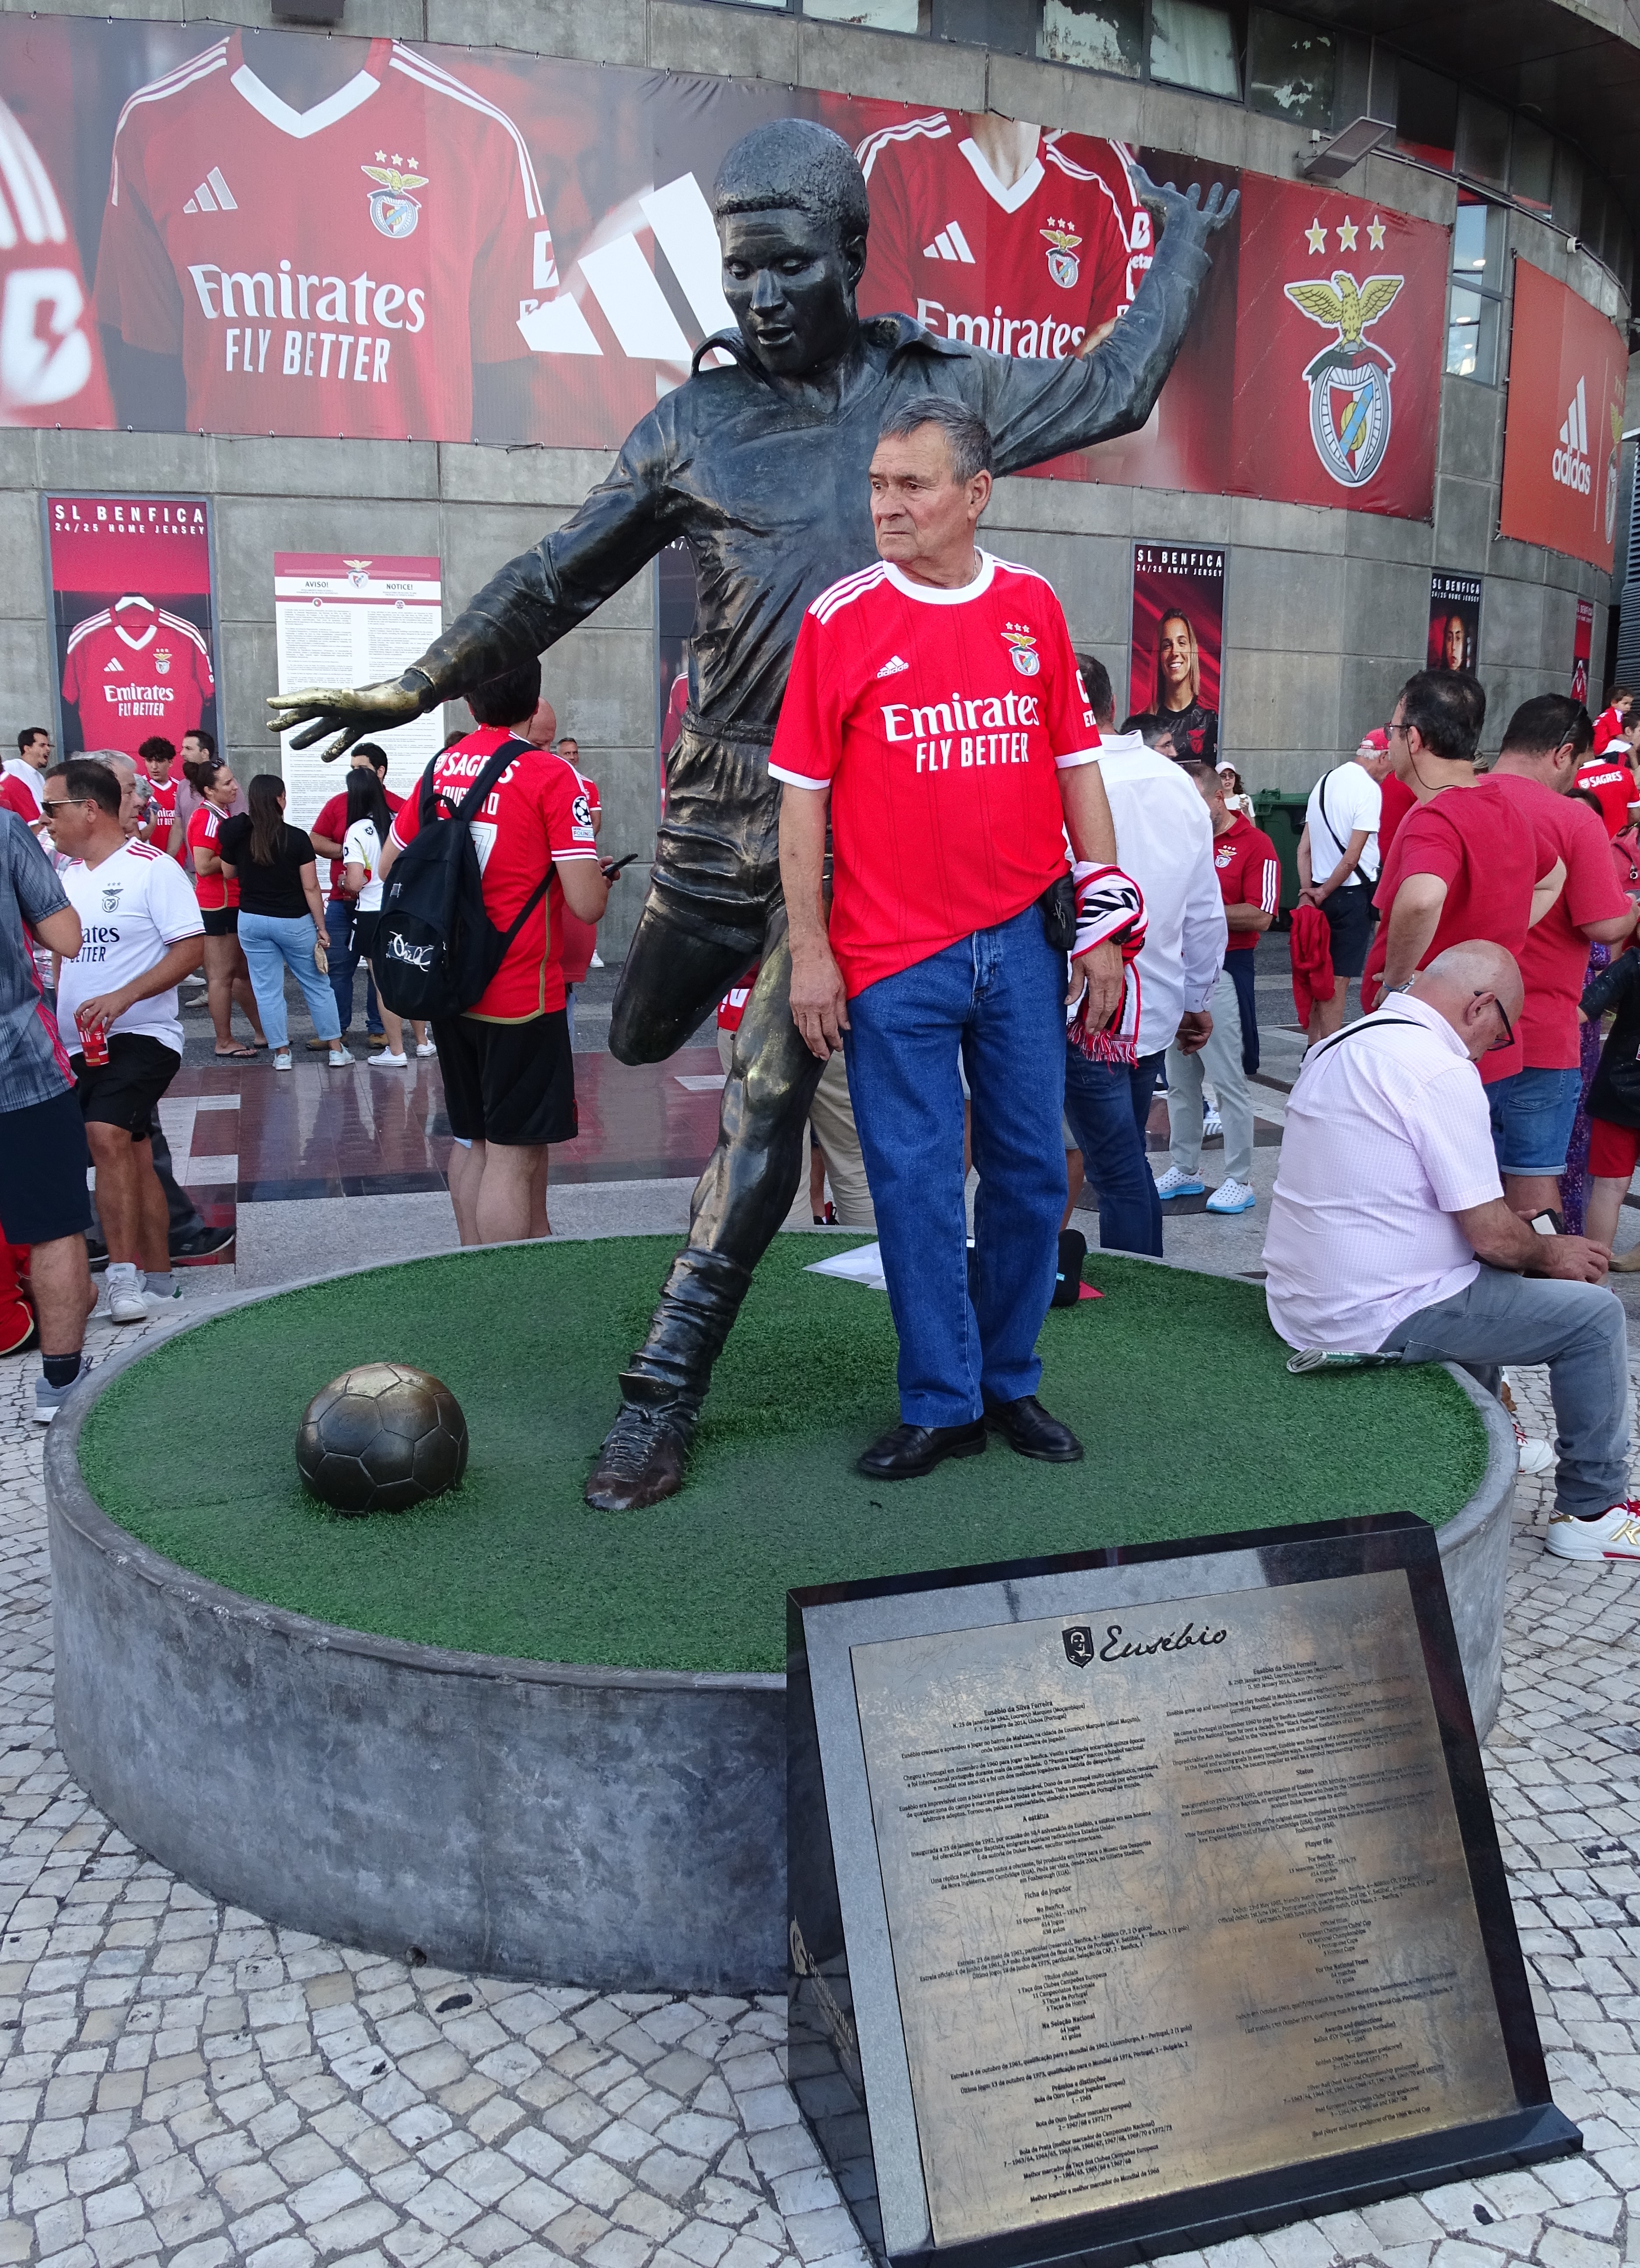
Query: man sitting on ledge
[(1389, 1232)]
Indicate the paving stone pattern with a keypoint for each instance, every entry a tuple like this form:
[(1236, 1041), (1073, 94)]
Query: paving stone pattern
[(182, 2084)]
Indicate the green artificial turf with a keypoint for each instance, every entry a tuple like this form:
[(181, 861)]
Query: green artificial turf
[(1175, 1383)]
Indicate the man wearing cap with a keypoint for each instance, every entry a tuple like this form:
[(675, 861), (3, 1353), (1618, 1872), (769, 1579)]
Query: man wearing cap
[(1338, 857)]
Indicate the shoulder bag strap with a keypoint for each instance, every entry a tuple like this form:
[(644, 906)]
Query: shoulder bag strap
[(1366, 1023)]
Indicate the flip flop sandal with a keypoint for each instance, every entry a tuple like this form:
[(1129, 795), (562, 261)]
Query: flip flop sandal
[(233, 1055)]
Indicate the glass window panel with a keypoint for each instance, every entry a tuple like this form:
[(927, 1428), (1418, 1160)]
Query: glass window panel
[(1105, 35), (874, 15), (1291, 68), (1194, 46), (1478, 243), (1426, 114), (1532, 164), (1483, 139), (1472, 338)]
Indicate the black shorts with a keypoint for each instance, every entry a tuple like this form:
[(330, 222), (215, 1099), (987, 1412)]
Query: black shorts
[(126, 1090), (224, 922), (43, 1159), (364, 934), (1352, 917), (509, 1083)]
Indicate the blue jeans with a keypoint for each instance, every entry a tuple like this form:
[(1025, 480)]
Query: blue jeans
[(1580, 1331), (271, 947), (967, 1332), (1239, 968), (1532, 1116), (1108, 1106), (343, 961)]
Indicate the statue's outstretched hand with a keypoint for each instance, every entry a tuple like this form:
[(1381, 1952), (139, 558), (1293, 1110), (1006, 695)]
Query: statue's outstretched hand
[(1183, 209), (351, 713)]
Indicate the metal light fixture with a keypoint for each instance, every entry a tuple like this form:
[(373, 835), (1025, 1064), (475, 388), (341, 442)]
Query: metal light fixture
[(1344, 153)]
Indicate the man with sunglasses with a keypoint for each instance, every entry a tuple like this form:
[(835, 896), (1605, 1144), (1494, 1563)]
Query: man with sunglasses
[(1389, 1232)]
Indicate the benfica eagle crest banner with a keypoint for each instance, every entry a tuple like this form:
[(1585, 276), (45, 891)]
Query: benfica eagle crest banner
[(243, 231), (1562, 439)]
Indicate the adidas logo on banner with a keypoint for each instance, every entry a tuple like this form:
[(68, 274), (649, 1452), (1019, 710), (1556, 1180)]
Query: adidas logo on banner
[(950, 244), (213, 194), (1570, 463), (893, 666), (116, 664)]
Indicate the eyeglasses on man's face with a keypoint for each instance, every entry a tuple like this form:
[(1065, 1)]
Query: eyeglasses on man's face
[(67, 804), (1508, 1040)]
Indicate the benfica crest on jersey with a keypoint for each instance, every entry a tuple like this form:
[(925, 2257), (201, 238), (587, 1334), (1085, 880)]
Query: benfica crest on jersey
[(1022, 644), (393, 209), (162, 660), (1063, 264), (1348, 381)]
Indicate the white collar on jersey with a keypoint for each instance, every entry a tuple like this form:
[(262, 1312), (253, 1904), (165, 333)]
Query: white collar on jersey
[(300, 124), (148, 608), (934, 595), (1010, 199)]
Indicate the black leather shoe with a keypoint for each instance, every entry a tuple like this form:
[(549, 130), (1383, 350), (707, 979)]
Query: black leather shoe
[(1027, 1428), (909, 1451)]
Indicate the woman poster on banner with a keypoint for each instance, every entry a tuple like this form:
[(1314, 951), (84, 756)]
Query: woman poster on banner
[(1178, 639)]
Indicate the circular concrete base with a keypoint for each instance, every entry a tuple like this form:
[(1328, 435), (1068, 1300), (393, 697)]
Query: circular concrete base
[(624, 1830)]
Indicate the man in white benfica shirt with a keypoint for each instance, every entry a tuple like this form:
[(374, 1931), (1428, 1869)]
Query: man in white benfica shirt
[(987, 229), (117, 1016), (51, 370), (935, 704), (334, 236), (134, 667)]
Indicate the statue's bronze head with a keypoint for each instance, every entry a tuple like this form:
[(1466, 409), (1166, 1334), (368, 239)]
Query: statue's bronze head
[(793, 215)]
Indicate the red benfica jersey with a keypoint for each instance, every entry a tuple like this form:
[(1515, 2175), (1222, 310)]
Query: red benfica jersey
[(132, 670), (51, 370), (938, 720), (1610, 781), (1249, 874), (1025, 270), (536, 815), (337, 270)]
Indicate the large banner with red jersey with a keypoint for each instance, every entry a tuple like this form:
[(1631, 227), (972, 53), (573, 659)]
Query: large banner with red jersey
[(132, 622), (259, 232), (1563, 438)]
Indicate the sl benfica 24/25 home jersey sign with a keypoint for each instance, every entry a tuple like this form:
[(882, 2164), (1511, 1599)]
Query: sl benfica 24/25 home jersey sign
[(939, 720), (337, 270)]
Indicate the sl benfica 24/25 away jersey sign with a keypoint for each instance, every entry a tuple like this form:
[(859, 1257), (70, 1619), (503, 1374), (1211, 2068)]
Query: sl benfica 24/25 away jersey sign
[(939, 720), (1024, 269), (132, 670), (337, 270)]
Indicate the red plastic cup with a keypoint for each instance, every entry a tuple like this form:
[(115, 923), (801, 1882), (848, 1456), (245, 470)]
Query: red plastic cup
[(93, 1042)]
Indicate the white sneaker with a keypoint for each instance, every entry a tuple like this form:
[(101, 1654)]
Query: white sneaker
[(281, 1059), (1212, 1125), (388, 1060), (1175, 1184), (1232, 1197), (338, 1058), (425, 1048), (124, 1293), (161, 1304), (1536, 1456), (1616, 1534)]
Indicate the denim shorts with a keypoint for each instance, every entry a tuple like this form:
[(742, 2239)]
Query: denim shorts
[(1532, 1118)]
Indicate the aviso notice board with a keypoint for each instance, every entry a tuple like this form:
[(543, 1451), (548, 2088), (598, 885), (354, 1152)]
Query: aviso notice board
[(1144, 1897)]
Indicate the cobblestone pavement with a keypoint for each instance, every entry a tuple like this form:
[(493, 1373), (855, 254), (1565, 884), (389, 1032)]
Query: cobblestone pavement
[(183, 2085)]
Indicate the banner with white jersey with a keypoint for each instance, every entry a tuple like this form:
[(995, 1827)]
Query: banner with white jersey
[(251, 232)]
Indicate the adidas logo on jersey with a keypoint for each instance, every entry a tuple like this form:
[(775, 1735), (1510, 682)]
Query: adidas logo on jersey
[(950, 244), (892, 666), (213, 194), (114, 663)]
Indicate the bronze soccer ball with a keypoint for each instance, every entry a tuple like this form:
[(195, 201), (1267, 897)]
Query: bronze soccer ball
[(380, 1439)]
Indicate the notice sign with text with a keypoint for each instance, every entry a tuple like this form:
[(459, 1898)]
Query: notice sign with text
[(353, 621), (1143, 1900), (133, 624), (1563, 438)]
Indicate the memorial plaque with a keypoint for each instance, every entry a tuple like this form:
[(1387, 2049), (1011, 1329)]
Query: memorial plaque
[(1142, 1899)]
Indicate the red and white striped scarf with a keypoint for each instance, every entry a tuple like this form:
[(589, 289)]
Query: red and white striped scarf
[(1110, 910)]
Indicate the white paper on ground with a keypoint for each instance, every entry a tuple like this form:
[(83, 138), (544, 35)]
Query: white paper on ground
[(863, 1265)]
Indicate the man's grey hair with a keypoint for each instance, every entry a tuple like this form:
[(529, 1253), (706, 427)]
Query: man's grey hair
[(967, 436)]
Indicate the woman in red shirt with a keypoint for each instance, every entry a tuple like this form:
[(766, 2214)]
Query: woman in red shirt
[(227, 978)]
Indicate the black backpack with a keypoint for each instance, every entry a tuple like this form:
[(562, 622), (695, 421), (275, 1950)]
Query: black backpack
[(436, 947)]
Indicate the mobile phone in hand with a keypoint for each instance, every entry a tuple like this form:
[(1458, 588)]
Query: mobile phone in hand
[(612, 867)]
